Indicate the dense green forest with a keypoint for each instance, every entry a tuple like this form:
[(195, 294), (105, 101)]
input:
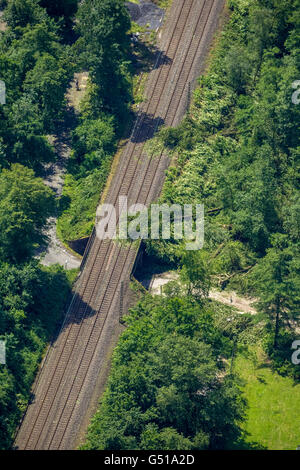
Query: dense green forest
[(173, 384), (168, 387), (176, 380), (45, 43), (103, 48), (35, 67), (238, 153)]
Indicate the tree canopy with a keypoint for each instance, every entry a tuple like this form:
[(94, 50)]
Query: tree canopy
[(25, 205)]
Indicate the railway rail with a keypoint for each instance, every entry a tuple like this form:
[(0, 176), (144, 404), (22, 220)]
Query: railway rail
[(73, 372)]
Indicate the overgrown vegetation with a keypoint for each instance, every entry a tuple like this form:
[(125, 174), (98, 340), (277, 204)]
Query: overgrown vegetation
[(102, 48), (36, 65), (169, 387), (175, 381), (32, 300), (36, 68), (236, 152)]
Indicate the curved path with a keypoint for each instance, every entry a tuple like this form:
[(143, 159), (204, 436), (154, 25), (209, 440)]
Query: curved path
[(74, 371)]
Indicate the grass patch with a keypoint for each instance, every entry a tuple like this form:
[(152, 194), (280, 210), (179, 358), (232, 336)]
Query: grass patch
[(274, 404), (163, 3), (82, 196)]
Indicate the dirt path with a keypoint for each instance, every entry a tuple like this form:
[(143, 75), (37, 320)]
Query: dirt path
[(3, 25), (56, 252), (242, 304)]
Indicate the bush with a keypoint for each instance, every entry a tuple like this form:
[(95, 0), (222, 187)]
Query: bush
[(281, 356), (32, 301)]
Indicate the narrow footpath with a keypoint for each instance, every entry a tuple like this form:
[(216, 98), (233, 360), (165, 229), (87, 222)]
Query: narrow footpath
[(56, 252)]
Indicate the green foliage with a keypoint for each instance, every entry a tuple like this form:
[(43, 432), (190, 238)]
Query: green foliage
[(166, 389), (104, 45), (238, 153), (79, 202), (281, 356), (103, 49), (277, 280), (195, 274), (93, 141), (32, 300), (47, 83), (241, 154), (20, 13), (25, 205), (238, 68), (36, 69)]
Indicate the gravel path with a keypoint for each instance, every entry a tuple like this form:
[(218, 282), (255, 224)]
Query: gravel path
[(2, 23), (242, 304), (146, 14), (56, 252)]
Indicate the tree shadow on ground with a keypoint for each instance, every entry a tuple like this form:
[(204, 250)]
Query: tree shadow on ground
[(243, 444), (146, 128), (146, 57)]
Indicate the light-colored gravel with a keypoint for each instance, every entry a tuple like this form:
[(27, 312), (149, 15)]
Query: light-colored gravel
[(146, 14), (56, 252), (242, 304)]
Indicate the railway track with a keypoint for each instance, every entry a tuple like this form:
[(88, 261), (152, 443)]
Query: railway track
[(69, 380)]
